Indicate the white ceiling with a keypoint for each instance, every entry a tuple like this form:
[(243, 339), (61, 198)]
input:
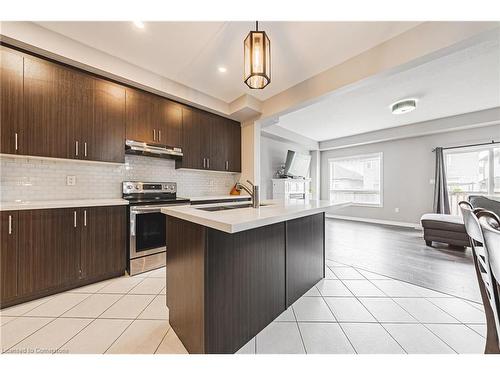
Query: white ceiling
[(461, 82), (191, 52)]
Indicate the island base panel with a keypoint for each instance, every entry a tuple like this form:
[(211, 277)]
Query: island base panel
[(305, 255), (223, 289)]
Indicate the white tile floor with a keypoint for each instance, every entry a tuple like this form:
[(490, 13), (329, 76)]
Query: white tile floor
[(122, 315), (351, 311)]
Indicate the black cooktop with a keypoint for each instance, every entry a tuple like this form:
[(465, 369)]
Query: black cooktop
[(143, 199)]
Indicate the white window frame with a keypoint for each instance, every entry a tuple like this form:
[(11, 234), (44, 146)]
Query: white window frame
[(381, 189)]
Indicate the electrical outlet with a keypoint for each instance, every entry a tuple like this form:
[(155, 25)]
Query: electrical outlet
[(396, 209), (71, 180)]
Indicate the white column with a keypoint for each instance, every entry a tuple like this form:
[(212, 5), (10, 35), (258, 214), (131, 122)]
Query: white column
[(315, 174)]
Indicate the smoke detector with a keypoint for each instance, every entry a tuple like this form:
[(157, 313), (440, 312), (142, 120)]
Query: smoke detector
[(403, 106)]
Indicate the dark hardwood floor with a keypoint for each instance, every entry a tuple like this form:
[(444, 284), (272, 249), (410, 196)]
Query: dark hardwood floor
[(401, 253)]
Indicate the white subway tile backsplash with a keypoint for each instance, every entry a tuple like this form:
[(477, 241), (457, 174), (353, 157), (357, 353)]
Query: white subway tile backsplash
[(30, 179)]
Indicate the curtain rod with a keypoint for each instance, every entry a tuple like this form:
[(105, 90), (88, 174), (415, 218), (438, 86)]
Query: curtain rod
[(472, 145)]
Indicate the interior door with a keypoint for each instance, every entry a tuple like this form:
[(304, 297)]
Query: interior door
[(58, 106), (49, 252), (11, 102), (108, 132), (8, 254), (141, 116)]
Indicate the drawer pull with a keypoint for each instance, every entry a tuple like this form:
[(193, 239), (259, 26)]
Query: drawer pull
[(74, 219), (10, 224)]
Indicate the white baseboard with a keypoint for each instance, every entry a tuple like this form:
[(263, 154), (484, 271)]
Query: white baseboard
[(376, 221)]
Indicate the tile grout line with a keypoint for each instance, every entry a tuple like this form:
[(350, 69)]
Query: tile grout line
[(298, 327), (163, 338), (414, 317), (96, 318), (397, 342), (31, 334), (340, 325)]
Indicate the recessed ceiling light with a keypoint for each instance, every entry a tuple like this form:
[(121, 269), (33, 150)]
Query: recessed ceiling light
[(222, 69), (403, 106), (139, 24)]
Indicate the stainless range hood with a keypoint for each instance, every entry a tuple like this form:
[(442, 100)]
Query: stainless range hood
[(151, 149)]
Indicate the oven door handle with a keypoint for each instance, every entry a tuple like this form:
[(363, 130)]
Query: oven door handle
[(132, 223)]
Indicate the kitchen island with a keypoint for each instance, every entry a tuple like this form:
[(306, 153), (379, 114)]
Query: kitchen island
[(232, 269)]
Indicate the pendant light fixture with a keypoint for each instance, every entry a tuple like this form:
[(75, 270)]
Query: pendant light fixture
[(257, 47)]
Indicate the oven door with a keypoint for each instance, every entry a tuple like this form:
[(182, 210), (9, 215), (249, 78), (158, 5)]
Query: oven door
[(148, 230)]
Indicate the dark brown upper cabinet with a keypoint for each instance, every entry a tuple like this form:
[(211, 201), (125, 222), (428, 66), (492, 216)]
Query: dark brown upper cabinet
[(141, 116), (170, 123), (210, 142), (12, 133), (58, 109), (8, 255), (234, 159), (108, 132)]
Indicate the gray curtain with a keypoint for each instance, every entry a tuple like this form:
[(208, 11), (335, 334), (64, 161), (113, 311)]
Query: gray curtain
[(441, 201)]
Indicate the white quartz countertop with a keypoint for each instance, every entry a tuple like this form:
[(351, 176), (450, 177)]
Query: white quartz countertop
[(64, 203), (216, 197), (237, 220)]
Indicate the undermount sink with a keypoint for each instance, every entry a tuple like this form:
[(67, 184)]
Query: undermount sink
[(231, 207)]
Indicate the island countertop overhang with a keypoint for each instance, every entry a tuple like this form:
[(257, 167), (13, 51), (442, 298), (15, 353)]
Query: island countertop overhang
[(241, 219)]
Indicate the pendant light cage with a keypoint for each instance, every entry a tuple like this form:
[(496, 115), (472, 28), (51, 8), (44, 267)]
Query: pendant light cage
[(257, 56)]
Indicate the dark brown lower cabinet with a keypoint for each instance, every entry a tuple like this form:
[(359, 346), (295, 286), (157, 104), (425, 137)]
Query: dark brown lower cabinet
[(8, 255), (222, 288), (49, 255), (52, 250), (103, 241)]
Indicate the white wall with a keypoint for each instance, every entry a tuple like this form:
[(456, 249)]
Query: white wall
[(32, 179), (408, 169), (272, 155)]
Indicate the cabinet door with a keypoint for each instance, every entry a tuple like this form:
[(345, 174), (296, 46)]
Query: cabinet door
[(191, 140), (8, 254), (49, 252), (11, 102), (219, 141), (205, 128), (170, 127), (234, 130), (108, 133), (141, 116), (103, 241), (58, 106)]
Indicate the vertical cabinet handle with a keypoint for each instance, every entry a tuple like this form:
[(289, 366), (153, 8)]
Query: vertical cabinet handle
[(154, 134), (208, 162), (85, 149), (74, 219), (227, 165), (76, 148), (204, 162), (15, 141), (10, 224), (84, 218), (159, 135)]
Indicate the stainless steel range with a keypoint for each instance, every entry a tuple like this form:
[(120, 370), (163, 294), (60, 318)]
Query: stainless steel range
[(147, 225)]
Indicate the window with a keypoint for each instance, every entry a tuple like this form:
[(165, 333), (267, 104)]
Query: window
[(472, 171), (357, 179)]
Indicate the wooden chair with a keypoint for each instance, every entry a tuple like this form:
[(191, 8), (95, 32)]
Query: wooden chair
[(490, 226), (483, 273)]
